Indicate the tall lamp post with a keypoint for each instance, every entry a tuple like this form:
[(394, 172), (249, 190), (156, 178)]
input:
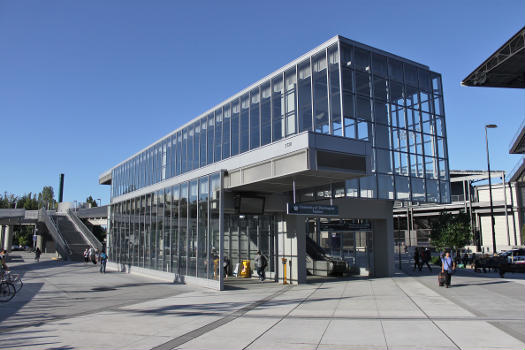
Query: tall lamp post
[(490, 126)]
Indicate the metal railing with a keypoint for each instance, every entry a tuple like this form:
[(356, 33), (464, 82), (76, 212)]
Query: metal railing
[(62, 247), (84, 230), (522, 125), (515, 168)]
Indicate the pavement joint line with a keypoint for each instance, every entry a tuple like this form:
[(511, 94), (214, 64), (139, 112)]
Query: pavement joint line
[(332, 315), (184, 338), (372, 291), (480, 315), (424, 313), (283, 317)]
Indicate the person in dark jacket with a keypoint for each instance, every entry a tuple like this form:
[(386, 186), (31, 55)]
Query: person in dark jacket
[(37, 254), (260, 264)]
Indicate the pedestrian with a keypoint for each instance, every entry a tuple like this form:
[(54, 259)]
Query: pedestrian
[(447, 267), (416, 259), (226, 266), (426, 259), (3, 260), (91, 253), (86, 255), (95, 257), (37, 254), (103, 257), (260, 263)]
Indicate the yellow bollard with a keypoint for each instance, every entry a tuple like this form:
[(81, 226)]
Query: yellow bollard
[(284, 270)]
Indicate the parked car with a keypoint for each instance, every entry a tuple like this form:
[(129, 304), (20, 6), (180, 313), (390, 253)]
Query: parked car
[(512, 261)]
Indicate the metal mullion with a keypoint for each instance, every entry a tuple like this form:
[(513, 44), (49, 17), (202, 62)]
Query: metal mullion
[(312, 92), (329, 92), (341, 89)]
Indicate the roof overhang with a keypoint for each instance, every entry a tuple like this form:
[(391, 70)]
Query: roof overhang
[(504, 68)]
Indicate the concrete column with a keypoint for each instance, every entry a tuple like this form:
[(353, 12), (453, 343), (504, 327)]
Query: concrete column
[(291, 236), (40, 242), (2, 229), (8, 237), (383, 233)]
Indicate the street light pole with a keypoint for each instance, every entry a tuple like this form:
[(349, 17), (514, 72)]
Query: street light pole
[(490, 126)]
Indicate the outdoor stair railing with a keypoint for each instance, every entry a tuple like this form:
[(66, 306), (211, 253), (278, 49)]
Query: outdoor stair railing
[(61, 245), (82, 228)]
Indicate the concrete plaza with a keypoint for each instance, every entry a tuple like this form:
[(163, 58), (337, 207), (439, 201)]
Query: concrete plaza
[(73, 306)]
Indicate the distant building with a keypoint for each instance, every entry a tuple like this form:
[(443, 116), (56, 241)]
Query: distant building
[(412, 222)]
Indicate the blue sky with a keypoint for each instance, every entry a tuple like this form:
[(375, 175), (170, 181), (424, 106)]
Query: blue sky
[(85, 84)]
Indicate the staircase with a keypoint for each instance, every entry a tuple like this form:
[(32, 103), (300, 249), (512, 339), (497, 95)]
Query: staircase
[(74, 238)]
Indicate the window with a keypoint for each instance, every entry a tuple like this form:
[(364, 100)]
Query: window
[(203, 137), (254, 119), (235, 127), (211, 133), (320, 94), (277, 108), (226, 132), (218, 136), (290, 101), (335, 95), (245, 123), (266, 114), (305, 96)]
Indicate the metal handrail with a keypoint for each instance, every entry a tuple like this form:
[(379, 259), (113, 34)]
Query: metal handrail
[(62, 247), (522, 125), (82, 228), (516, 167)]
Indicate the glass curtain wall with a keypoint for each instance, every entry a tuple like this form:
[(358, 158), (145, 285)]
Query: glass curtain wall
[(344, 90), (176, 229)]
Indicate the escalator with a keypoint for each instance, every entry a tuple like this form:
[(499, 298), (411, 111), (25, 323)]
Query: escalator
[(318, 263)]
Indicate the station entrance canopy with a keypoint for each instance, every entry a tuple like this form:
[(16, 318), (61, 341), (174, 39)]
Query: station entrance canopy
[(504, 68)]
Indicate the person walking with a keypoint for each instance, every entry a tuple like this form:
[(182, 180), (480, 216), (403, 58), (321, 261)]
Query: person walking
[(37, 254), (417, 263), (103, 257), (260, 264), (447, 267), (86, 255), (426, 258), (91, 254)]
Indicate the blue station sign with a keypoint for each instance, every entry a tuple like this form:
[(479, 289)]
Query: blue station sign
[(311, 209)]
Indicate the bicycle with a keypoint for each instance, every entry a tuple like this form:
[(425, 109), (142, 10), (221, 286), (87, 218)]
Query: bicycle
[(10, 284)]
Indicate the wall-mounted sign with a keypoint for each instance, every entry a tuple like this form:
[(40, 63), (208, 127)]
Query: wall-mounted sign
[(311, 209)]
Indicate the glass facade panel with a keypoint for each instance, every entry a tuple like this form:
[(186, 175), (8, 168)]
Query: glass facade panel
[(305, 96), (235, 127), (277, 108), (320, 77), (266, 114), (290, 103), (245, 123), (218, 136), (202, 244), (254, 119)]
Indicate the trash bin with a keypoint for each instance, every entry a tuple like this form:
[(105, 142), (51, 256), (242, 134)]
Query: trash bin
[(246, 271)]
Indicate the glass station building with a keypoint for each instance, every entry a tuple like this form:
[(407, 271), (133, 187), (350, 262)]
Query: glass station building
[(345, 125)]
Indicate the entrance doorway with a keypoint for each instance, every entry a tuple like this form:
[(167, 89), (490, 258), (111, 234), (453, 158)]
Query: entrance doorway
[(347, 240), (244, 235)]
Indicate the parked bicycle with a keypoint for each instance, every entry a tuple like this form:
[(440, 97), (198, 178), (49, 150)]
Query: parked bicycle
[(10, 284)]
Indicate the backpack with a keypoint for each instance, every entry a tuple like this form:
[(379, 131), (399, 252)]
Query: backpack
[(103, 256), (264, 262)]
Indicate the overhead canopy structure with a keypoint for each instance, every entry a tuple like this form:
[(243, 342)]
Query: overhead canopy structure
[(504, 68)]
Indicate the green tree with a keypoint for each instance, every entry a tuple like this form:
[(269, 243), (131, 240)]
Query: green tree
[(90, 200), (47, 196), (451, 231)]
